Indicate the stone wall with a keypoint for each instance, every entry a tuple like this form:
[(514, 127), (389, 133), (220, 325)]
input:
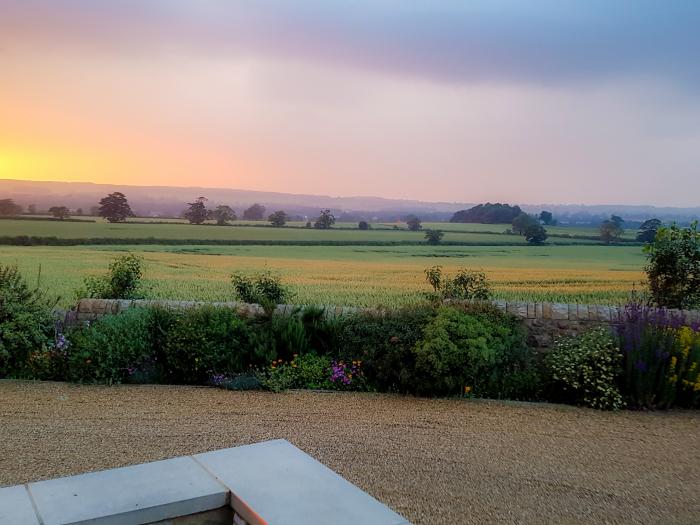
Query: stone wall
[(544, 321)]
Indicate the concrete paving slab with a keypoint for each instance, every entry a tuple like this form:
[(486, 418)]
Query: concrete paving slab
[(131, 495), (277, 484), (16, 507)]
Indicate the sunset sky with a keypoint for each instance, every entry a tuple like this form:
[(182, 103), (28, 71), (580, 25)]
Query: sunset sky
[(557, 101)]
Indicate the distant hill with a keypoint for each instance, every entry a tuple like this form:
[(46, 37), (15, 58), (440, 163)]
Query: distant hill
[(168, 201)]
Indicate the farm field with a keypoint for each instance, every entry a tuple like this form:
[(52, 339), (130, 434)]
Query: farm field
[(346, 275), (474, 234)]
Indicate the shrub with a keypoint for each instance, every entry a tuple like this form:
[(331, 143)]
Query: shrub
[(465, 285), (587, 368), (112, 348), (26, 323), (673, 267), (122, 282), (384, 342), (661, 357), (460, 349), (314, 372), (203, 341), (265, 289)]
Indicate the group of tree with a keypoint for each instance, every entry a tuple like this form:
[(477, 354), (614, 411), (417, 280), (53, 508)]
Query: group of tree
[(647, 230), (547, 218), (529, 227), (278, 219), (488, 214), (255, 213), (8, 208)]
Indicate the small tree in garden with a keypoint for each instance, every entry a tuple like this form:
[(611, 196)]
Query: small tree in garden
[(197, 211), (673, 267), (265, 289), (325, 221), (278, 219), (465, 285), (26, 322), (123, 280), (434, 236), (115, 207), (59, 212)]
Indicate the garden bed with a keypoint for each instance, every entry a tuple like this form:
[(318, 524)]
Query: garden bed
[(432, 460)]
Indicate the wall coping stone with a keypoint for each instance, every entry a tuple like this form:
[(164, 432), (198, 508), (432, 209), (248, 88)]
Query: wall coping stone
[(268, 483)]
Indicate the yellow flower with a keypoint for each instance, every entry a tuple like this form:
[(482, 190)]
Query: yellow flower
[(673, 362), (467, 389)]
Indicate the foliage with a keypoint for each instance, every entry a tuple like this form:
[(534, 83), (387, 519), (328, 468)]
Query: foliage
[(535, 234), (197, 212), (278, 219), (673, 267), (647, 230), (461, 349), (264, 288), (385, 342), (363, 225), (59, 212), (223, 214), (413, 223), (661, 356), (488, 214), (522, 222), (199, 342), (587, 367), (115, 207), (112, 348), (325, 220), (26, 323), (547, 218), (123, 280), (434, 236), (465, 285), (255, 213), (611, 230), (8, 208)]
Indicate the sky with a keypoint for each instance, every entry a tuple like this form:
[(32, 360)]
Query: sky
[(556, 101)]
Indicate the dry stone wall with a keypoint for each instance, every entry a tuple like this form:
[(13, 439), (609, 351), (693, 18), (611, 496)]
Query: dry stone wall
[(545, 322)]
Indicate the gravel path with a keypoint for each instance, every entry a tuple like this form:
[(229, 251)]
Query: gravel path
[(435, 461)]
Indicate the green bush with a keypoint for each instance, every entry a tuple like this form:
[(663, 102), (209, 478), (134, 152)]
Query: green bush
[(384, 342), (26, 323), (113, 348), (304, 371), (466, 285), (586, 368), (122, 282), (462, 351), (200, 342), (265, 289)]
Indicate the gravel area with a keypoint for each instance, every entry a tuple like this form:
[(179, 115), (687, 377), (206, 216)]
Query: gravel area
[(434, 461)]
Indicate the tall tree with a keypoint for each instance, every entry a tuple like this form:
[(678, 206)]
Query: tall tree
[(115, 207), (255, 213), (8, 208), (535, 233), (59, 212), (223, 214), (325, 220), (546, 218), (413, 223), (610, 231), (279, 218), (522, 222), (647, 230), (197, 212)]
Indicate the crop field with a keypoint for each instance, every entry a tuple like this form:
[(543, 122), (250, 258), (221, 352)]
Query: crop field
[(346, 275)]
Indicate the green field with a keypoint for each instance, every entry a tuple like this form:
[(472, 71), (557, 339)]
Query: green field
[(347, 275)]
